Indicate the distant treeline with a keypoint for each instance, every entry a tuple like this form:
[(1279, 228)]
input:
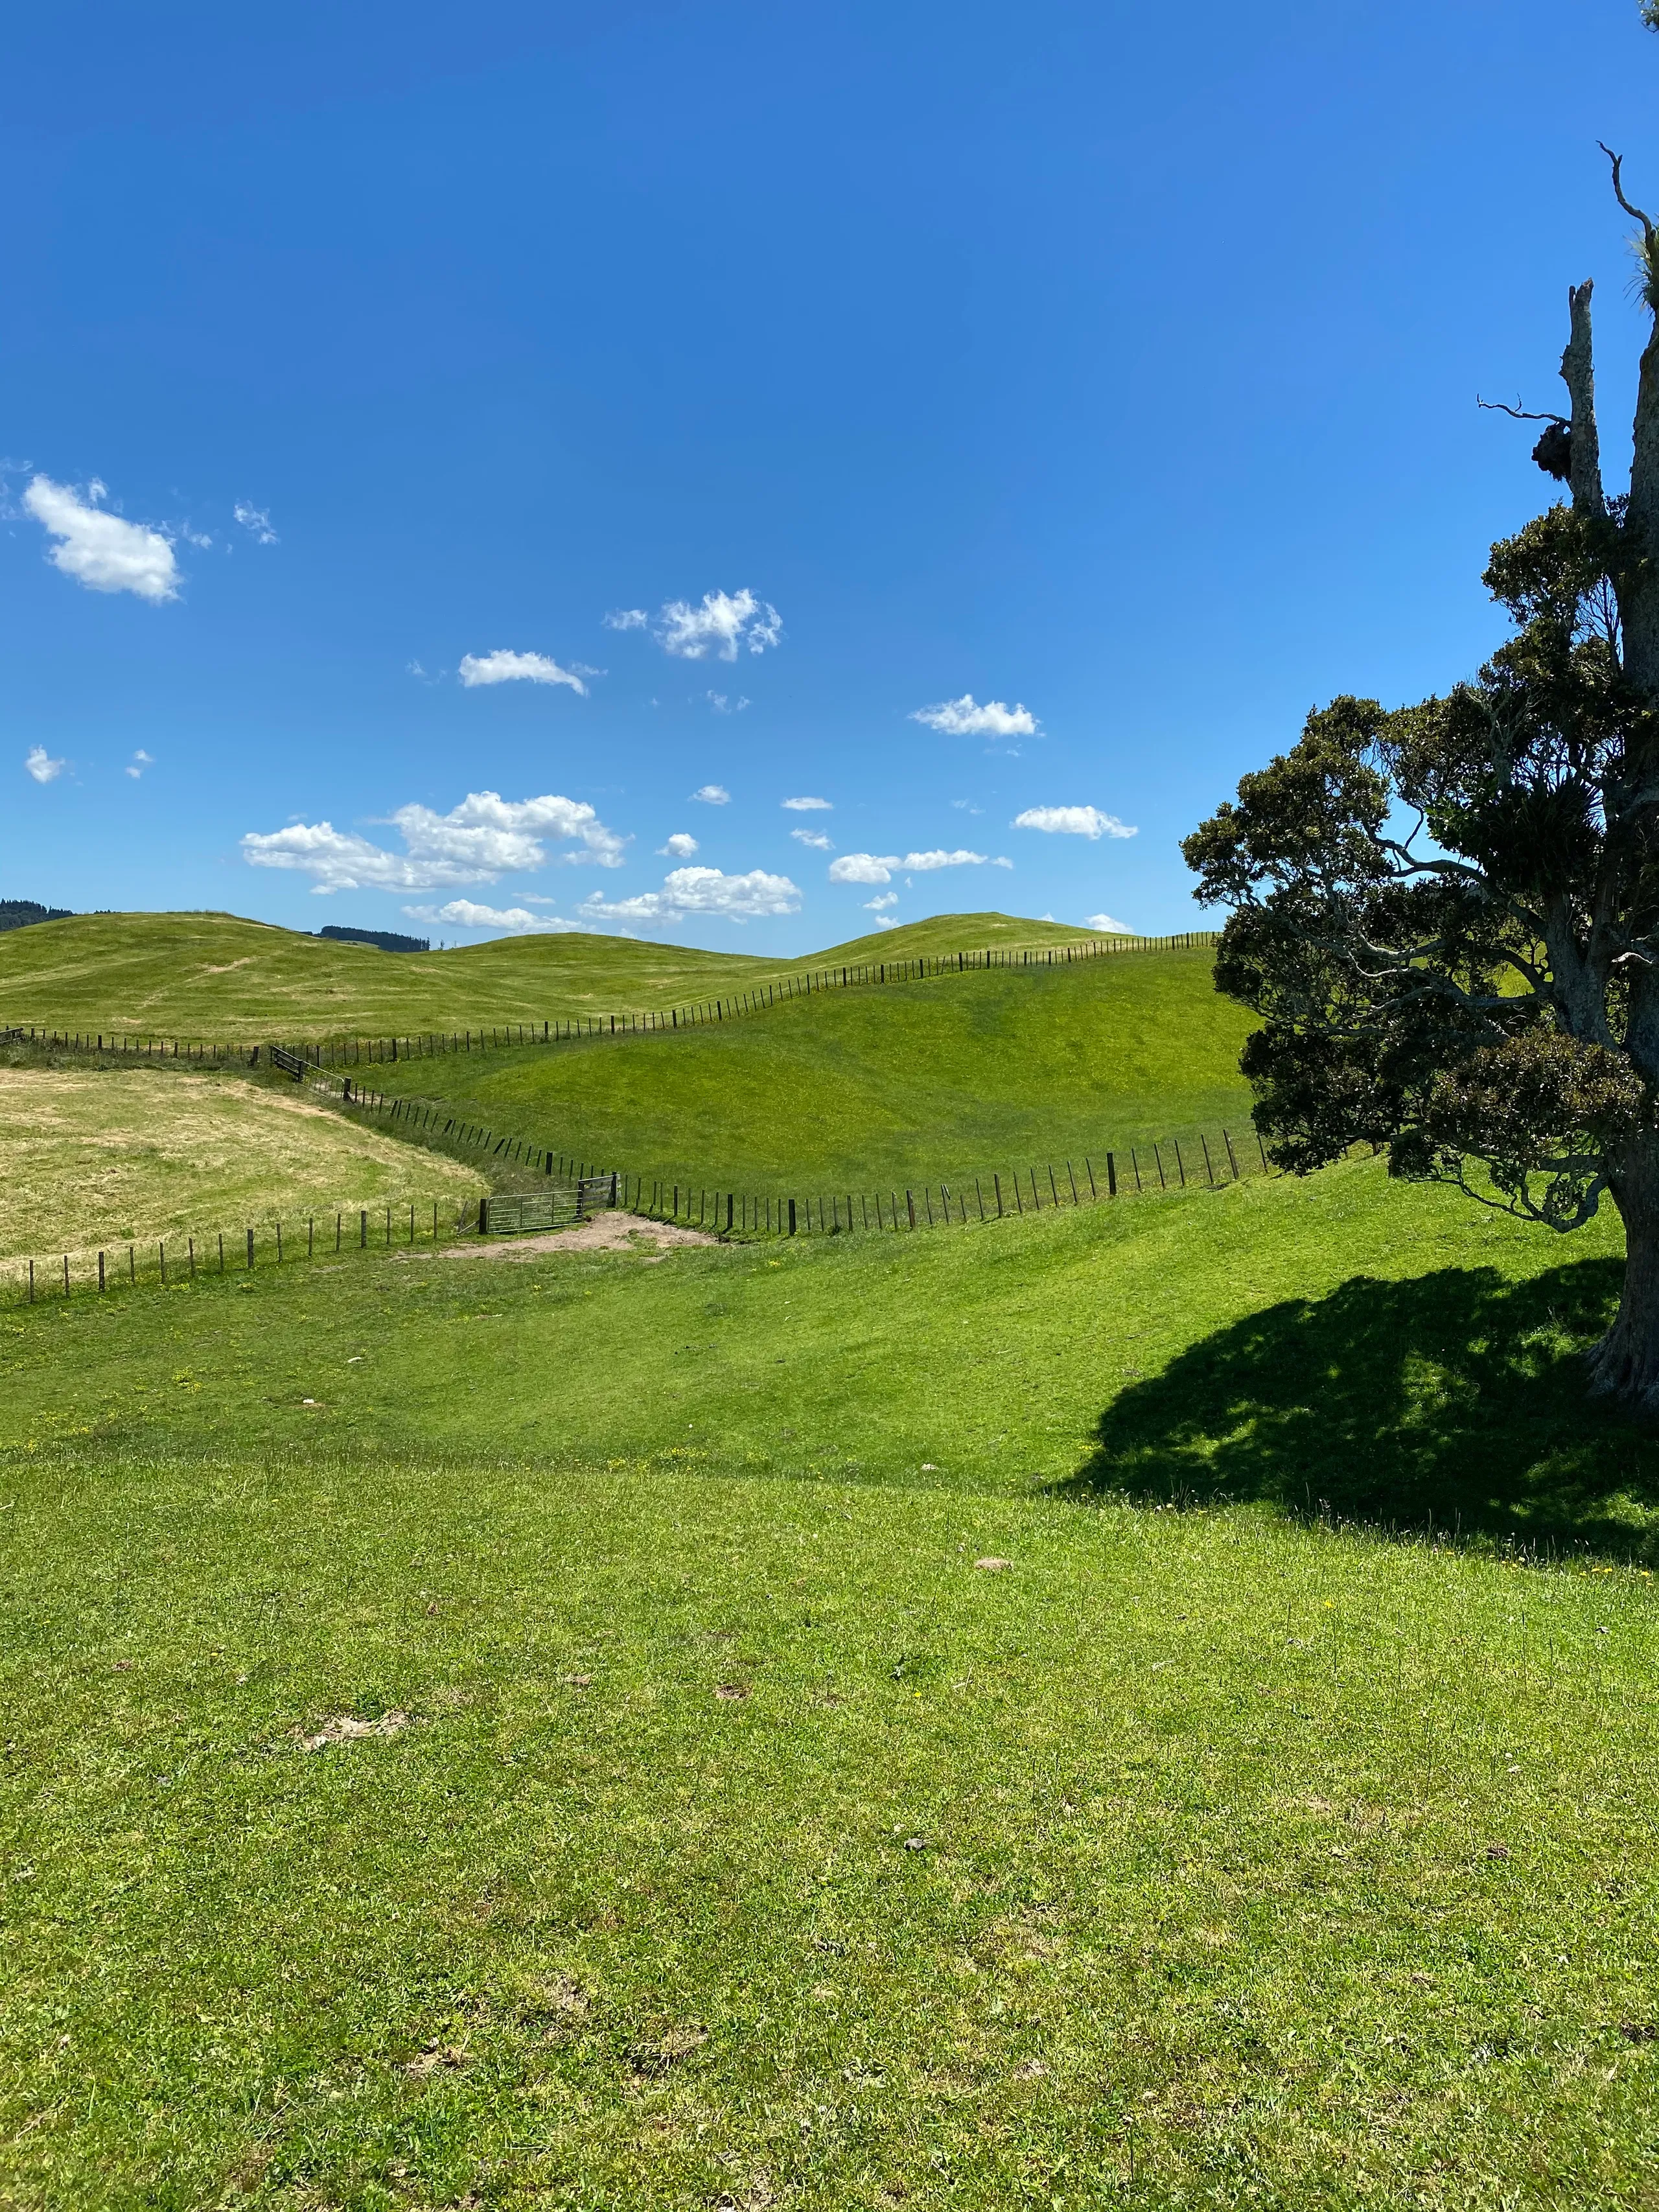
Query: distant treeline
[(388, 940), (17, 914)]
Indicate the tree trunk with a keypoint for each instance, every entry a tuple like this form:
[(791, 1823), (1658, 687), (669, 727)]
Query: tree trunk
[(1578, 375), (1625, 1365), (1639, 596)]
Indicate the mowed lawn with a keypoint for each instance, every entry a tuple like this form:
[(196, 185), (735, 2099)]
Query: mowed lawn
[(218, 976), (114, 1156), (858, 1090), (883, 1722)]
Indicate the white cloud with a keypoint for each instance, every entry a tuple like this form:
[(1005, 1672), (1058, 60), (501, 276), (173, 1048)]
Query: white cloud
[(141, 760), (256, 521), (627, 618), (1073, 822), (961, 717), (815, 838), (200, 538), (39, 763), (1104, 922), (807, 805), (881, 901), (504, 667), (680, 847), (467, 914), (722, 704), (103, 551), (713, 794), (701, 890), (716, 628), (484, 837), (881, 867)]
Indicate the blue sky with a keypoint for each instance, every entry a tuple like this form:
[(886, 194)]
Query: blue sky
[(951, 414)]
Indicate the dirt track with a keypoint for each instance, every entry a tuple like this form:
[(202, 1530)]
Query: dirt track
[(601, 1232)]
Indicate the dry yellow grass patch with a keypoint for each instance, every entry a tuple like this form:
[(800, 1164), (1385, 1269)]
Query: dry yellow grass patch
[(134, 1154)]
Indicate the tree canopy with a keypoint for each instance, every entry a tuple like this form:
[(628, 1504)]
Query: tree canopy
[(1447, 914)]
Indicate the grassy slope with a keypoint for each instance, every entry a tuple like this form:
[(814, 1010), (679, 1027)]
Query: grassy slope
[(1320, 1869), (214, 975), (104, 1156), (866, 1088)]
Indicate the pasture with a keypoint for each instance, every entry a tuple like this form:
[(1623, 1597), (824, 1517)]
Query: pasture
[(1013, 1066), (113, 1156), (1150, 1704), (216, 976)]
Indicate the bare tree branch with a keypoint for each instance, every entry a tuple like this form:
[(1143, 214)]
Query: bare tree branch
[(1617, 161), (1520, 413)]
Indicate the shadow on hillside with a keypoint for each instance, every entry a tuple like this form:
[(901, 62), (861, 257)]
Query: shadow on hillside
[(1453, 1403)]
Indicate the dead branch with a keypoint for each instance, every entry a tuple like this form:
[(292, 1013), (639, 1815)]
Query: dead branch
[(1520, 413), (1617, 161)]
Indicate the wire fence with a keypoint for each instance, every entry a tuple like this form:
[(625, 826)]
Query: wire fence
[(569, 1189), (354, 1052)]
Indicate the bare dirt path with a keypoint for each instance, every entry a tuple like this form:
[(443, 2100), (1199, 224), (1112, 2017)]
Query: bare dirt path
[(613, 1231)]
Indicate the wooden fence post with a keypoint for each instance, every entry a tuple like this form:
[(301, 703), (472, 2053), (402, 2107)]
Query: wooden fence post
[(791, 1217), (101, 1270), (250, 1248), (1111, 1175), (997, 1180)]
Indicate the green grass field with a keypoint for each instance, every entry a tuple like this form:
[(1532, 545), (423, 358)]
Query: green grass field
[(579, 1761), (214, 975), (103, 1156), (861, 1089), (1150, 1704)]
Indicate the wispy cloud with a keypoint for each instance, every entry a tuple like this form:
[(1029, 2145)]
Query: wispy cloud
[(140, 761), (1073, 822), (881, 903), (502, 666), (467, 914), (104, 551), (815, 838), (882, 867), (711, 630), (1104, 922), (712, 794), (484, 837), (807, 805), (680, 847), (701, 890), (40, 763), (723, 703), (256, 520), (962, 718)]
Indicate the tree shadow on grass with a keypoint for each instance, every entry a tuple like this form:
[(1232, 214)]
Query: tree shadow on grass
[(1453, 1403)]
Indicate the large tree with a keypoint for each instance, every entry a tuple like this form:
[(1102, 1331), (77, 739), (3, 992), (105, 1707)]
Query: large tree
[(1447, 915)]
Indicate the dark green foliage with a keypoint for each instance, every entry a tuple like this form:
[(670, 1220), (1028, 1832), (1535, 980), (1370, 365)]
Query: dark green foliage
[(1448, 915), (388, 941), (18, 913)]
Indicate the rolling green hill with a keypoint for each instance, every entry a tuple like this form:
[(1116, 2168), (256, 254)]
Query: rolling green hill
[(942, 1722), (214, 975), (871, 1086)]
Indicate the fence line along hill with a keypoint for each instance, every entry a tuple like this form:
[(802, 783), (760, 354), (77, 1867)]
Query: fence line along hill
[(757, 994), (935, 1077), (214, 983)]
